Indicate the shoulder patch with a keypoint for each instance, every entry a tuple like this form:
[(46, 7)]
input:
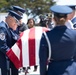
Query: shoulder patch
[(2, 36)]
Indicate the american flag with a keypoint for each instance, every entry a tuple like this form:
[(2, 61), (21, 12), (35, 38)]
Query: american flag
[(25, 51)]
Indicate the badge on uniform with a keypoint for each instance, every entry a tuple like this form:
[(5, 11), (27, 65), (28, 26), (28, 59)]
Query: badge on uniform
[(2, 36)]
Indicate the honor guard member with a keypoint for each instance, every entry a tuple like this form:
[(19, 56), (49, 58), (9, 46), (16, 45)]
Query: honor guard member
[(73, 20), (7, 39), (60, 42), (72, 16), (22, 25), (70, 23)]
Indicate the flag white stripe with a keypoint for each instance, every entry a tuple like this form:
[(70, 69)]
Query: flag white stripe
[(25, 48), (38, 33), (16, 50)]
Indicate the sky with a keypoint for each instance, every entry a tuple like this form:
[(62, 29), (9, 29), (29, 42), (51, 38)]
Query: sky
[(65, 2)]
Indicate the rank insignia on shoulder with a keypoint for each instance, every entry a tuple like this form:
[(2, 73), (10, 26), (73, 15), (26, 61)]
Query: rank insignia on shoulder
[(2, 36)]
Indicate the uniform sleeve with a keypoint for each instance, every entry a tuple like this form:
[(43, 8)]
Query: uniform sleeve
[(75, 49), (3, 43), (43, 55), (75, 55)]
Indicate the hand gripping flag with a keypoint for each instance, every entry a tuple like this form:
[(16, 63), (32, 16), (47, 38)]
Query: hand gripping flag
[(25, 51)]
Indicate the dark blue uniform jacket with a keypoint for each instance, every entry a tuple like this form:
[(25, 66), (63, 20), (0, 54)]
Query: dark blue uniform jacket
[(63, 49), (7, 39)]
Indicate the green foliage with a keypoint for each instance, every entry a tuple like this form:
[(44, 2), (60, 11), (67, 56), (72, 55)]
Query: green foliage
[(36, 6), (3, 4), (39, 6)]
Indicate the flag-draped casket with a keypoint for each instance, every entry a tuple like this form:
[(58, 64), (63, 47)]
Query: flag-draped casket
[(25, 52)]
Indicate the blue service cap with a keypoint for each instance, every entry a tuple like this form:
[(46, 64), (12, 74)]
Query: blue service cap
[(18, 9), (60, 10), (72, 6), (14, 14)]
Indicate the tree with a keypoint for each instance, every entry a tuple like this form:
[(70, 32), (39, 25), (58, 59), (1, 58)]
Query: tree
[(3, 4), (39, 6), (36, 7)]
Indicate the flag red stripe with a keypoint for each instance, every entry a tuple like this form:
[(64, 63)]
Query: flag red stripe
[(31, 42), (45, 29), (13, 58)]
